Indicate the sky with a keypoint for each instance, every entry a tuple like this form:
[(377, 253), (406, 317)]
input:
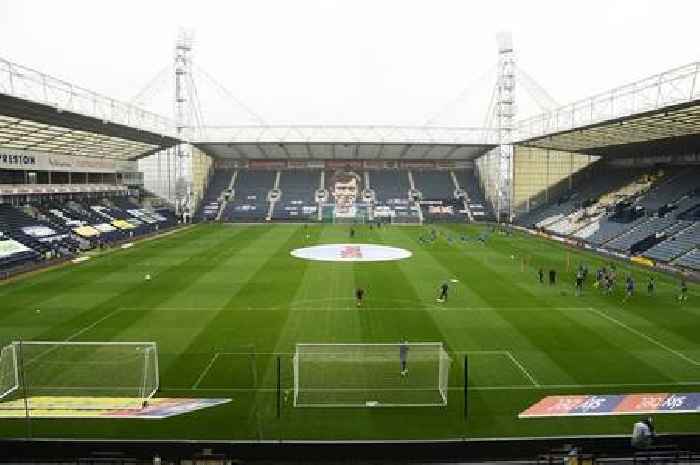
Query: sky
[(402, 62)]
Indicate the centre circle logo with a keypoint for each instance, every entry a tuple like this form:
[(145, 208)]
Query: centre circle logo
[(351, 253)]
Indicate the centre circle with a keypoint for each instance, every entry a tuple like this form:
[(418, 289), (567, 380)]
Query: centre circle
[(351, 253)]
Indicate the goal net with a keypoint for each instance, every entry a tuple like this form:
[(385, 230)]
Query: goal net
[(370, 375), (78, 375)]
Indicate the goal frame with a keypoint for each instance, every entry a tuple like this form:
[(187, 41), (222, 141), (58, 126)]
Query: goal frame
[(15, 369), (144, 394), (444, 361)]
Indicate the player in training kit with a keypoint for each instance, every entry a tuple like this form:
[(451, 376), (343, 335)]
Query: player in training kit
[(540, 275), (683, 296), (629, 289), (359, 295), (403, 357), (443, 292), (651, 285), (579, 283), (352, 233)]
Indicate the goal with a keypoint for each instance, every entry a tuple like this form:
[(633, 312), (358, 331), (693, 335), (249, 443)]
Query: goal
[(52, 375), (369, 375)]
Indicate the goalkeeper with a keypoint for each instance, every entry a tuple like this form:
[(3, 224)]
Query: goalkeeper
[(403, 357)]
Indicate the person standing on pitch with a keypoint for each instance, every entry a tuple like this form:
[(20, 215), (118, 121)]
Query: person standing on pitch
[(552, 277), (683, 296), (651, 285), (403, 357), (629, 289), (359, 295), (443, 292), (540, 275), (579, 283)]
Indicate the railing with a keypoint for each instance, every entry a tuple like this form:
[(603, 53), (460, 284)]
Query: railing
[(28, 84), (677, 86)]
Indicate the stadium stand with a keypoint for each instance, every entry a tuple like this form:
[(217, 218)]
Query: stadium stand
[(391, 189), (14, 254), (675, 186), (389, 185), (654, 212), (475, 198), (250, 196), (434, 184), (652, 226), (297, 188), (52, 228), (437, 196), (690, 260), (579, 197), (675, 246), (211, 202), (47, 239)]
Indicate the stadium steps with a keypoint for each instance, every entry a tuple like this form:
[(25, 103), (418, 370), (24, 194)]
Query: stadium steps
[(690, 259), (677, 245), (411, 181), (627, 232), (465, 199), (223, 200), (644, 230)]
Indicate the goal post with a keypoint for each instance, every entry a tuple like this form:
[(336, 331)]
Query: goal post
[(9, 371), (52, 375), (370, 375)]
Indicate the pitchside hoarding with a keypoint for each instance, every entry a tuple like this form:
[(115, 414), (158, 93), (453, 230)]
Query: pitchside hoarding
[(613, 404)]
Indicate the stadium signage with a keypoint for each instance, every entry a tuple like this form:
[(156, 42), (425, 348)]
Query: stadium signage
[(351, 253), (614, 404), (43, 161), (16, 160)]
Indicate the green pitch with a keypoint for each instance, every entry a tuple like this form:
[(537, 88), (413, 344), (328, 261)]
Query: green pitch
[(225, 302)]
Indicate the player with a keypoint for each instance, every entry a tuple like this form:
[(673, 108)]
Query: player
[(683, 296), (629, 289), (540, 275), (403, 357), (608, 282), (359, 295), (579, 283), (552, 277), (443, 292), (352, 233), (651, 286)]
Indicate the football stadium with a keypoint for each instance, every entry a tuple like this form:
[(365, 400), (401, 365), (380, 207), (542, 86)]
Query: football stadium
[(523, 290)]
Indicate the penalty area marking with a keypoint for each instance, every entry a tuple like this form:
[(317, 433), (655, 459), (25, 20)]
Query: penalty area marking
[(505, 353), (206, 370)]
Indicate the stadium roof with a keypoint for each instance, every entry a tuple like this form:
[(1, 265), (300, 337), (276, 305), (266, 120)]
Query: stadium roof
[(42, 113), (644, 117), (346, 142)]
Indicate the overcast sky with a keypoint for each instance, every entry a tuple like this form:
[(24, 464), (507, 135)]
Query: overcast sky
[(351, 61)]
